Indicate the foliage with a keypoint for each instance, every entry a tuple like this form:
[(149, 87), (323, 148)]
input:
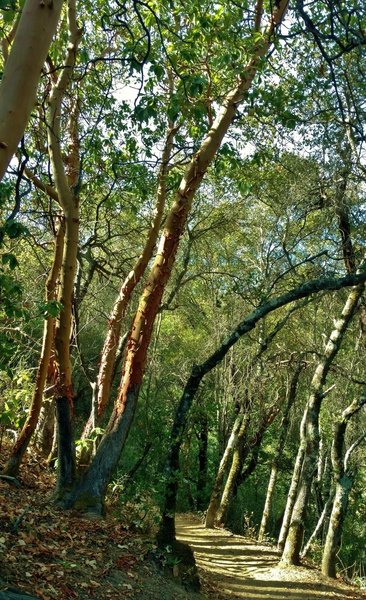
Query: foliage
[(265, 220)]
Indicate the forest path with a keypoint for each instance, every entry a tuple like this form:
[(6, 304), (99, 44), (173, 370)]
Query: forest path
[(231, 566)]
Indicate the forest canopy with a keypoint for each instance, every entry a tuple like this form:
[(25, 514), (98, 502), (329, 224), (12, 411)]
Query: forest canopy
[(182, 268)]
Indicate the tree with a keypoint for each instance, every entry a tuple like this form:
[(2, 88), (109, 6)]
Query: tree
[(167, 528), (90, 492), (342, 482)]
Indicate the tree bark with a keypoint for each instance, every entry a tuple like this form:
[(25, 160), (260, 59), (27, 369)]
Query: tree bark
[(21, 444), (237, 458), (220, 475), (291, 497), (238, 474), (325, 513), (18, 87), (66, 176), (291, 552), (202, 462), (199, 371), (108, 356)]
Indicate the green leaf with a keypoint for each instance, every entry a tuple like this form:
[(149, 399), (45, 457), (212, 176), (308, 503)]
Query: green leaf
[(9, 259)]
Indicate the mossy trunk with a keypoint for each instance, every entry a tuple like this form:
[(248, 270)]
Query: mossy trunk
[(310, 433), (221, 472)]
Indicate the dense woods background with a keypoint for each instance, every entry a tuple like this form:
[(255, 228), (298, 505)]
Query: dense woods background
[(182, 263)]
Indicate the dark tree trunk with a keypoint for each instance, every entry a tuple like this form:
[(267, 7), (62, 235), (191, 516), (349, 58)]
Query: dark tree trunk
[(202, 463), (66, 449), (198, 372)]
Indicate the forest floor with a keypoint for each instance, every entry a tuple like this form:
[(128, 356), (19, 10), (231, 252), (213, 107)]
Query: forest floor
[(231, 566), (56, 555)]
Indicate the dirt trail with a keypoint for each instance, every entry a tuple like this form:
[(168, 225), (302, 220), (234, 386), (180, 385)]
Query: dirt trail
[(237, 567)]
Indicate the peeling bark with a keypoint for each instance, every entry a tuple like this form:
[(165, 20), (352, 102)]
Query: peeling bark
[(66, 176)]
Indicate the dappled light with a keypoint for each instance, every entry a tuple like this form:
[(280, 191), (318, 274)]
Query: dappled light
[(240, 568)]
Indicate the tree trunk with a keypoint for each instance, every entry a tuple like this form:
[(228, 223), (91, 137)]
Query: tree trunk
[(202, 462), (108, 356), (291, 552), (291, 396), (18, 87), (291, 497), (239, 454), (238, 474), (220, 475), (66, 173), (325, 513), (199, 371), (343, 484), (45, 428), (21, 444)]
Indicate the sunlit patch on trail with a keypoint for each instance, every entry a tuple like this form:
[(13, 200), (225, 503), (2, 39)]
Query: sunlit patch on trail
[(237, 567)]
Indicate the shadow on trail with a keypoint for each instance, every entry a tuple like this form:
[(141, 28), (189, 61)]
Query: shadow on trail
[(238, 568)]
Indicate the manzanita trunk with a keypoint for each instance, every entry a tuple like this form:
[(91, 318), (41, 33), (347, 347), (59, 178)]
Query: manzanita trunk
[(18, 88), (66, 172), (21, 444), (91, 490), (108, 356)]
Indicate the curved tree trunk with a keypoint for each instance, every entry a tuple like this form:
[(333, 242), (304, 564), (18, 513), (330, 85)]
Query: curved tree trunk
[(108, 356), (21, 444), (91, 490), (18, 87), (167, 528), (322, 519)]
